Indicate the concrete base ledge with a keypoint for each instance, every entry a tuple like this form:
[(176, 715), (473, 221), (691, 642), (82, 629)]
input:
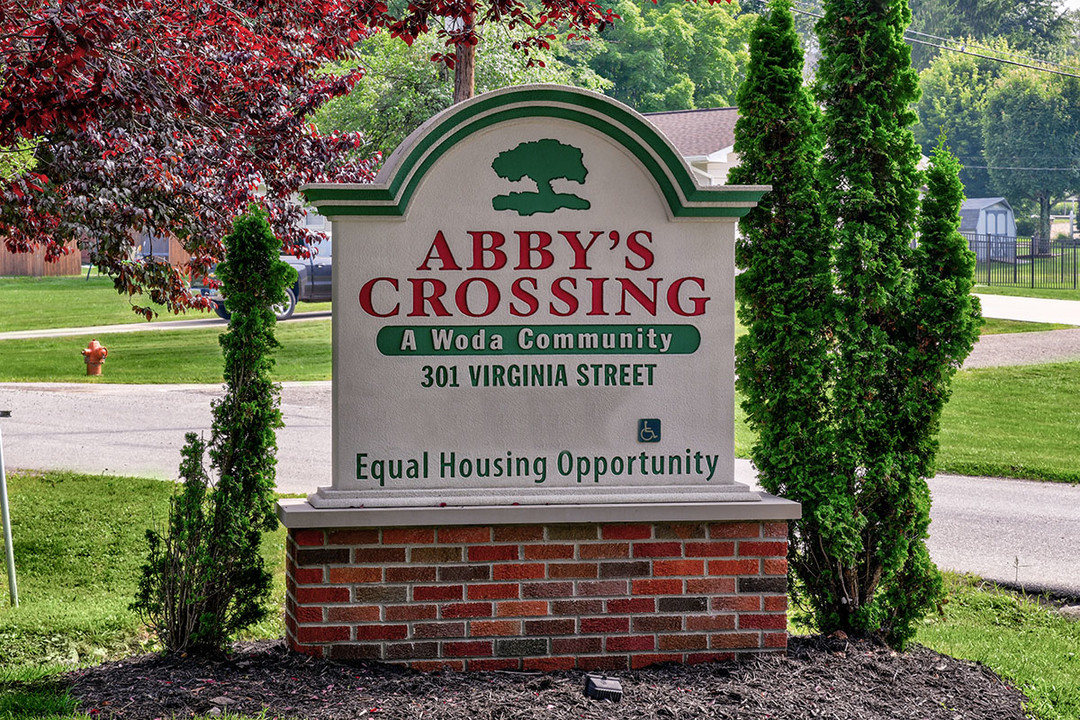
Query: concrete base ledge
[(299, 513)]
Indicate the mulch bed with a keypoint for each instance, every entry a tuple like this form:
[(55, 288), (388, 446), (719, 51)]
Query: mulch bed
[(817, 678)]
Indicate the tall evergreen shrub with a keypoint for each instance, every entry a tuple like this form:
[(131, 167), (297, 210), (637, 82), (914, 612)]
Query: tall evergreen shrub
[(853, 335), (206, 579)]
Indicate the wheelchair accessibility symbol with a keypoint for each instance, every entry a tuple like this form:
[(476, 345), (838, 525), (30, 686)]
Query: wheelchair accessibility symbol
[(648, 431)]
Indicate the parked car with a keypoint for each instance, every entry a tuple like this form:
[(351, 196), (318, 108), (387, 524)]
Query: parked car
[(313, 282)]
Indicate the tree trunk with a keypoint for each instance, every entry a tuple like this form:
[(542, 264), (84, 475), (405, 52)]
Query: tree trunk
[(1043, 242), (464, 83)]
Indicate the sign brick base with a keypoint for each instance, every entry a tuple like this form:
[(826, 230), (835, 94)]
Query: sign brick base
[(586, 595)]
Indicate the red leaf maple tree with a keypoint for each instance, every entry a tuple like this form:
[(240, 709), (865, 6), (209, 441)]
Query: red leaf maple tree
[(126, 118)]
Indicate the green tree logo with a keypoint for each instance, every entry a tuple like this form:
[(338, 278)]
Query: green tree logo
[(542, 161)]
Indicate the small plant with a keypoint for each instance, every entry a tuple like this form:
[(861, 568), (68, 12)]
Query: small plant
[(205, 579)]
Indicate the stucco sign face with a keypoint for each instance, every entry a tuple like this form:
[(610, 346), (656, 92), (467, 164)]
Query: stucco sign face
[(533, 304)]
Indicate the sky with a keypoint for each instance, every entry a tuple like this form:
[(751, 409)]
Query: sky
[(1072, 4)]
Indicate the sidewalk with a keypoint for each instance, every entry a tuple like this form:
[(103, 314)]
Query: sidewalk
[(143, 326), (1025, 309)]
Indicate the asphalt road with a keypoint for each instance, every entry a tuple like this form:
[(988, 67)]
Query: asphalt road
[(1012, 531)]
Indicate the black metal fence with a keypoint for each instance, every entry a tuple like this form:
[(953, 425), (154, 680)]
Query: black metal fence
[(1024, 262)]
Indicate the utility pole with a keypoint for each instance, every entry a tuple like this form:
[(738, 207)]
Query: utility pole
[(464, 68)]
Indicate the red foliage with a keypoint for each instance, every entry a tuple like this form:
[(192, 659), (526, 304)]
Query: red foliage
[(171, 116)]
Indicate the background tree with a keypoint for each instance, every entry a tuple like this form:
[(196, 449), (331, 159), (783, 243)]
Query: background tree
[(402, 87), (953, 103), (671, 55), (205, 579), (1031, 133)]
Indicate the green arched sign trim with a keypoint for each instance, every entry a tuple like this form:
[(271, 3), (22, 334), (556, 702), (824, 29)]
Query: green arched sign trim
[(410, 162)]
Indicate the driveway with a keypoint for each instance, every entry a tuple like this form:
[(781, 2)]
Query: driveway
[(1010, 531)]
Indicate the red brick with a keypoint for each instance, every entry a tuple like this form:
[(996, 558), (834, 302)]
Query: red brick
[(549, 664), (410, 574), (493, 553), (763, 622), (561, 571), (466, 610), (550, 590), (465, 534), (683, 642), (637, 662), (631, 605), (626, 532), (605, 625), (735, 530), (562, 626), (309, 538), (549, 552), (521, 609), (408, 536), (321, 634), (492, 664), (776, 640), (373, 555), (631, 643), (468, 648), (499, 628), (439, 630), (737, 603), (577, 645), (710, 623), (603, 587), (574, 531), (307, 650), (355, 574), (435, 555), (733, 641), (518, 571), (667, 568), (605, 662), (354, 537), (437, 665), (774, 566), (657, 549), (717, 548), (657, 587), (775, 603), (382, 632), (604, 550), (710, 586), (312, 614), (353, 613), (518, 533), (775, 529), (577, 607), (733, 567), (438, 592), (314, 595), (308, 576), (698, 658), (752, 548), (503, 591), (408, 613), (658, 623)]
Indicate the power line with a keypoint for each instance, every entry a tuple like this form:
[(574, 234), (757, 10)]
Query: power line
[(967, 43), (964, 51)]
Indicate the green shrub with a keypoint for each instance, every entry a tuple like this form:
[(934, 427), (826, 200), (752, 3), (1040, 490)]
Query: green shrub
[(206, 579)]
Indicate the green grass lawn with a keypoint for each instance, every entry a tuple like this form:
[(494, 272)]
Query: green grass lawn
[(79, 543), (1026, 292), (63, 302), (996, 326), (162, 356)]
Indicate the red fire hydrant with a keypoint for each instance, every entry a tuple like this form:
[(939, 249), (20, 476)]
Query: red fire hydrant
[(94, 354)]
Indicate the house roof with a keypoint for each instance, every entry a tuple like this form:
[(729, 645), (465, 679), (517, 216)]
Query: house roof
[(696, 133), (981, 203)]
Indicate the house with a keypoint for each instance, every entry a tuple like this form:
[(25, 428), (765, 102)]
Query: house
[(705, 138), (989, 224)]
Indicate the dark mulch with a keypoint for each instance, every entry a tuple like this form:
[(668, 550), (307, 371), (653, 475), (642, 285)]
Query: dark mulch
[(817, 678)]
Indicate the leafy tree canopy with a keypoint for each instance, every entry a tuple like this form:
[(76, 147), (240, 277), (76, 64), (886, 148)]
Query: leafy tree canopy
[(168, 117), (402, 88), (670, 55)]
